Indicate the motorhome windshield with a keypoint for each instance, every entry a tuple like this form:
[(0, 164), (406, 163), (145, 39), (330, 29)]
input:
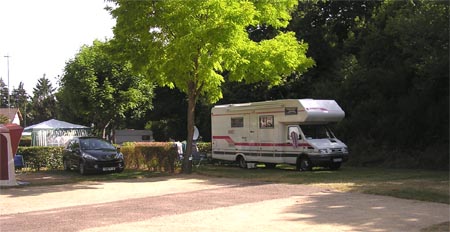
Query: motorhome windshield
[(316, 132)]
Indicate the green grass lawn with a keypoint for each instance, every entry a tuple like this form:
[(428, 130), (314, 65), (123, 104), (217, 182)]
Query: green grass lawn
[(409, 184), (421, 185)]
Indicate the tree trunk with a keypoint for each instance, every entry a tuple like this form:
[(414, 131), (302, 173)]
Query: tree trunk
[(187, 160), (104, 129)]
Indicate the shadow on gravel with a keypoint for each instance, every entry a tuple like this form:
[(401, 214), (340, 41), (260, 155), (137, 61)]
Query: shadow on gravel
[(37, 183), (368, 212), (43, 182)]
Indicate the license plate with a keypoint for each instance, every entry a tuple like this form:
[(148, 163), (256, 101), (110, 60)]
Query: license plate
[(337, 160), (109, 169)]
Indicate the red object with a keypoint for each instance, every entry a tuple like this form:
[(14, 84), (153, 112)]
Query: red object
[(15, 132)]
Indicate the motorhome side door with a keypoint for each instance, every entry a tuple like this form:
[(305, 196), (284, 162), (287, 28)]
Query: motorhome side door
[(293, 137), (253, 139)]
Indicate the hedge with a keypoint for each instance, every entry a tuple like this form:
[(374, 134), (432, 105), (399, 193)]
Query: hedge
[(153, 156), (204, 147), (39, 157)]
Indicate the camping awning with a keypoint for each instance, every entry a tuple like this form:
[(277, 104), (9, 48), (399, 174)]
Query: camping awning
[(54, 124)]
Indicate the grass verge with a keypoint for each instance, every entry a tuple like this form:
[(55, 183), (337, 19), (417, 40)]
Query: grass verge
[(432, 186)]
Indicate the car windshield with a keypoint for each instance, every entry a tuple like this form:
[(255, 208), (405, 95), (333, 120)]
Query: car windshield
[(95, 144), (317, 132)]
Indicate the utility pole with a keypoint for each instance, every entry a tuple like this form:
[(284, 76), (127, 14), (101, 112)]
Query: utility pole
[(9, 96)]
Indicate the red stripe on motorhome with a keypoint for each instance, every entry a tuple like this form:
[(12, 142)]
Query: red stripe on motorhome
[(269, 112), (230, 141)]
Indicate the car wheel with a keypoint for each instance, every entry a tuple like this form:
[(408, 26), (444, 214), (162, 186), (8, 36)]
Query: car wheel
[(241, 162), (335, 166), (82, 168), (66, 165), (303, 164), (270, 165)]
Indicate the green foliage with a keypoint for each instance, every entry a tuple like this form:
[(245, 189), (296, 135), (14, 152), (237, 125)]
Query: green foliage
[(96, 89), (40, 157), (386, 63), (189, 44), (19, 99), (155, 156), (204, 147), (4, 119), (176, 51), (397, 86), (409, 184), (4, 92), (25, 141), (168, 114), (43, 102)]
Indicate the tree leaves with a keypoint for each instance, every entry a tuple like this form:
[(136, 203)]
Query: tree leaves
[(96, 89), (183, 41)]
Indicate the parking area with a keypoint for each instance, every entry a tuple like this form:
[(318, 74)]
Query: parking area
[(197, 203)]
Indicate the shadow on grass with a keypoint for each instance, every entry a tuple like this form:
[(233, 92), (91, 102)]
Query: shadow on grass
[(421, 185), (408, 184)]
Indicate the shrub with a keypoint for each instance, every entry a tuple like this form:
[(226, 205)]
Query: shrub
[(39, 157), (155, 156), (204, 147), (25, 141)]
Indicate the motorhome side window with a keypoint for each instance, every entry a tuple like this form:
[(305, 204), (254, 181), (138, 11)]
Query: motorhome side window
[(266, 121), (293, 129), (237, 122)]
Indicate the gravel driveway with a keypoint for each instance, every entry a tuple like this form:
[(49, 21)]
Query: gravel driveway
[(196, 203)]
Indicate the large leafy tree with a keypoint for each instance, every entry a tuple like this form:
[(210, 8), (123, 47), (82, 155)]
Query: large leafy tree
[(399, 81), (43, 105), (97, 90), (189, 44), (386, 62), (328, 27)]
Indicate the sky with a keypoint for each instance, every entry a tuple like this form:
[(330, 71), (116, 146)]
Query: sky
[(40, 36)]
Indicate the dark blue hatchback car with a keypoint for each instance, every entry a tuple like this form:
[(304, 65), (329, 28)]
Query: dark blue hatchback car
[(92, 155)]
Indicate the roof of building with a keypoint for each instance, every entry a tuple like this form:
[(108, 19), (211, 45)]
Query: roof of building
[(11, 113)]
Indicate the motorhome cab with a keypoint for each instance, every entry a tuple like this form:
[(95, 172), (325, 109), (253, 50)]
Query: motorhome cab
[(291, 131)]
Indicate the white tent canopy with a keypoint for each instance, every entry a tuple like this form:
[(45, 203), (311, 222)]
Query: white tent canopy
[(54, 124), (55, 133)]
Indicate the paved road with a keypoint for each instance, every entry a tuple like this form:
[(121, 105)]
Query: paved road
[(199, 204)]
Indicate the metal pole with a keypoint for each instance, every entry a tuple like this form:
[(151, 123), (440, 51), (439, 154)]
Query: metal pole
[(9, 96)]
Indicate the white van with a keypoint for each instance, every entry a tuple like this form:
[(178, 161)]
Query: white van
[(290, 131)]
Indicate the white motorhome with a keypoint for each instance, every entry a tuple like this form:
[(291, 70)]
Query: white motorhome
[(291, 131)]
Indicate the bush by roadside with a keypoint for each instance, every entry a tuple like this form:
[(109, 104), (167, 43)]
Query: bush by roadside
[(37, 158), (154, 156)]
